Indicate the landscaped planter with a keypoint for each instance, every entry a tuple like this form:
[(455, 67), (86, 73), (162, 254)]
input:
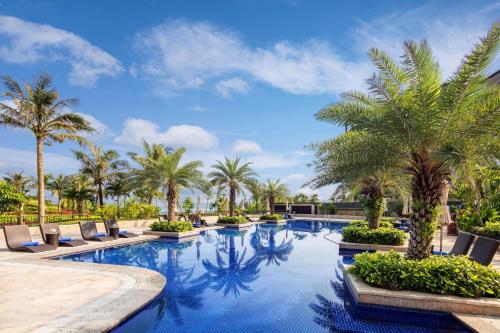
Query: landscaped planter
[(274, 221), (235, 226), (173, 235), (376, 247)]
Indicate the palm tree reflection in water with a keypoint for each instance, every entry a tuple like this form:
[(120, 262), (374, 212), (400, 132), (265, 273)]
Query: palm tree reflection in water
[(266, 248)]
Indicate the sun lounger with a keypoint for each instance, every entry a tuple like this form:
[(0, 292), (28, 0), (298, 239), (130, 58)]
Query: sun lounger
[(63, 241), (461, 246), (121, 233), (18, 238), (89, 232), (484, 250)]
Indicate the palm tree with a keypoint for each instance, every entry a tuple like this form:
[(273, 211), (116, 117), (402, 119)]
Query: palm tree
[(234, 176), (57, 187), (118, 186), (100, 165), (255, 188), (22, 185), (174, 177), (79, 191), (39, 109), (273, 190), (414, 122), (144, 180)]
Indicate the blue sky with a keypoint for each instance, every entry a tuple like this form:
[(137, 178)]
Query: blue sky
[(223, 78)]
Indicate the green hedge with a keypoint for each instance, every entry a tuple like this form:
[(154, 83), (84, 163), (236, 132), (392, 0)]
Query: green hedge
[(380, 236), (364, 223), (177, 226), (232, 220), (273, 217), (490, 229), (454, 275)]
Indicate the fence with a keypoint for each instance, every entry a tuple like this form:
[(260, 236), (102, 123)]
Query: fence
[(32, 220)]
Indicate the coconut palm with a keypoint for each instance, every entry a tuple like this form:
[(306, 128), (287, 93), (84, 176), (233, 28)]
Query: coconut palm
[(413, 121), (118, 186), (273, 190), (38, 108), (100, 165), (79, 190), (174, 177), (21, 183), (57, 186), (233, 176), (143, 179)]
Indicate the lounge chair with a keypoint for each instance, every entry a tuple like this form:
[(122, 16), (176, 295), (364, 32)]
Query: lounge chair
[(18, 238), (484, 250), (89, 232), (460, 247), (121, 233), (63, 241)]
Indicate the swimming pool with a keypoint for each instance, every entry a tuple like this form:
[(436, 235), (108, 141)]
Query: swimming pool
[(264, 279)]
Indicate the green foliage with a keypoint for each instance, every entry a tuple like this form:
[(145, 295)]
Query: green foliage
[(380, 236), (490, 229), (232, 220), (468, 219), (135, 210), (328, 208), (273, 217), (108, 212), (9, 197), (188, 205), (220, 204), (454, 275), (177, 226), (301, 198), (384, 223), (395, 207)]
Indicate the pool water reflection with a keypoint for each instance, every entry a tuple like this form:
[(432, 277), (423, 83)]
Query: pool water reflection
[(264, 279)]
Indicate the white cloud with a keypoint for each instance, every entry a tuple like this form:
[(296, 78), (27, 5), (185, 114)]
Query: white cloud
[(246, 146), (234, 85), (102, 131), (294, 177), (188, 136), (26, 42), (25, 160), (197, 108), (184, 55), (272, 160)]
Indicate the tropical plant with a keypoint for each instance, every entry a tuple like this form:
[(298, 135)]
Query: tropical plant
[(79, 191), (9, 197), (39, 109), (118, 186), (256, 190), (187, 205), (100, 165), (174, 177), (380, 236), (301, 198), (172, 226), (234, 176), (22, 185), (57, 186), (412, 121), (273, 190), (232, 220)]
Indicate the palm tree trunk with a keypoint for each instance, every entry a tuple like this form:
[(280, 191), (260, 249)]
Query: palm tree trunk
[(59, 203), (41, 181), (232, 200), (100, 194), (118, 206), (271, 204), (21, 213), (428, 181), (171, 200)]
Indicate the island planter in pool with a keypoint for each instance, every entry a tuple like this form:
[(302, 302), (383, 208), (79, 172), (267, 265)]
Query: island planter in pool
[(173, 234)]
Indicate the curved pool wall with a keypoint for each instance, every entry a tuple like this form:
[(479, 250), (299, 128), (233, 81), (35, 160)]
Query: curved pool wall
[(268, 278)]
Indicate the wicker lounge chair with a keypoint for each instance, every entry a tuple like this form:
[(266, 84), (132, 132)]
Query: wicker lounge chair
[(89, 232), (484, 250), (63, 241), (18, 238), (121, 233), (462, 245)]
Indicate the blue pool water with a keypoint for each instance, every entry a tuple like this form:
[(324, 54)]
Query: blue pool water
[(265, 279)]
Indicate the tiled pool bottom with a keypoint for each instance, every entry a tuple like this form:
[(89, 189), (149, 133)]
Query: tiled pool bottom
[(265, 279)]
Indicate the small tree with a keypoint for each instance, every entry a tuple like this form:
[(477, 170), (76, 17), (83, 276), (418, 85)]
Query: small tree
[(9, 197), (187, 205)]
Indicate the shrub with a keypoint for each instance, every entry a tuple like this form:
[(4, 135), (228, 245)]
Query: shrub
[(272, 217), (232, 220), (490, 229), (383, 223), (177, 226), (380, 236), (454, 275)]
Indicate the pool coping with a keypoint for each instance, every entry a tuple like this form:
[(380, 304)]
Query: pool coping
[(282, 221), (235, 226), (172, 235), (366, 294), (136, 288), (362, 246)]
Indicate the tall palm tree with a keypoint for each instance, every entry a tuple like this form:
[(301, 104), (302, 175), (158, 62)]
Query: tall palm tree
[(273, 190), (234, 176), (100, 165), (173, 177), (118, 186), (143, 178), (413, 121), (57, 186), (22, 185), (38, 108)]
